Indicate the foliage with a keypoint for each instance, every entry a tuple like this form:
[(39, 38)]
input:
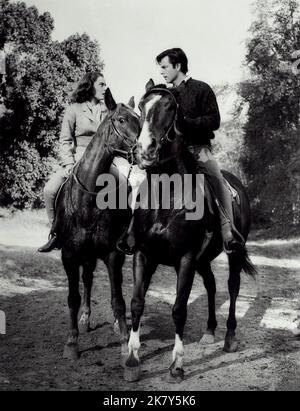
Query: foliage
[(228, 146), (23, 174), (23, 26), (41, 75), (272, 95)]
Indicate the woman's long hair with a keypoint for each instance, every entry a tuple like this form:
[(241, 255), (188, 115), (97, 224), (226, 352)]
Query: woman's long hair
[(85, 88)]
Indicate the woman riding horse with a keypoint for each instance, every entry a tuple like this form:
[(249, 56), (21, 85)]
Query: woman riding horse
[(80, 123), (86, 232)]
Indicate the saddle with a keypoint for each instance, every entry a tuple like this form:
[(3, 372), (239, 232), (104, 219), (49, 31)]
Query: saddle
[(59, 191), (234, 194), (209, 196)]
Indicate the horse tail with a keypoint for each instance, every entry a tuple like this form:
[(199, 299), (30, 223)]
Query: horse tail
[(245, 263)]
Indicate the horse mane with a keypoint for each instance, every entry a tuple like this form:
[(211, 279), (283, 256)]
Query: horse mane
[(103, 133), (158, 86)]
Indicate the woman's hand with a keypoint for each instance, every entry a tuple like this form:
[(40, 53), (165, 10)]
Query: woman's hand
[(68, 169)]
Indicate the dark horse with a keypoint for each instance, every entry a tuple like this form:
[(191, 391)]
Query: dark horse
[(86, 232), (166, 236)]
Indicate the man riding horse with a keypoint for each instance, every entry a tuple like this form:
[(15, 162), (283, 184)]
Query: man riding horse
[(200, 118)]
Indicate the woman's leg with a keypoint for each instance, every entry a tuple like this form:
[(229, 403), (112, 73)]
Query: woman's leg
[(50, 192)]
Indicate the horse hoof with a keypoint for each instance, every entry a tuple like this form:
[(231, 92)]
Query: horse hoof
[(176, 376), (207, 339), (71, 352), (231, 345), (132, 369), (132, 374)]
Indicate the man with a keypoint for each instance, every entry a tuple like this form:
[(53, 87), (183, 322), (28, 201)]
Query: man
[(200, 119)]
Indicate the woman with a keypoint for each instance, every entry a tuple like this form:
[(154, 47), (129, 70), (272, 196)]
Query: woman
[(80, 123)]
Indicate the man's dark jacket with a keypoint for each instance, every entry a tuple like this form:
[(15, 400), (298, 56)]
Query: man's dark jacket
[(200, 111)]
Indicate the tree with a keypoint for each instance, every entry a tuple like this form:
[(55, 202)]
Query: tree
[(82, 52), (23, 26), (272, 95), (40, 76), (228, 146)]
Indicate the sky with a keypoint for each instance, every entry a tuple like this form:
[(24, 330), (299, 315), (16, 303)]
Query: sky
[(132, 32)]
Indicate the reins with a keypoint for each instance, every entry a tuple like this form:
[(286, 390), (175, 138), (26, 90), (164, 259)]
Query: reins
[(129, 155)]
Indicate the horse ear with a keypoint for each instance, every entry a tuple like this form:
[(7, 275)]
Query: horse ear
[(131, 102), (109, 100), (149, 85)]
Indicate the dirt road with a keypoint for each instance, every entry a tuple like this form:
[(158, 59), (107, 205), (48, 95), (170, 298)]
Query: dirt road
[(33, 295)]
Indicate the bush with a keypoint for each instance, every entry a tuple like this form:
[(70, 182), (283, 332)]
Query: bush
[(23, 175), (40, 76)]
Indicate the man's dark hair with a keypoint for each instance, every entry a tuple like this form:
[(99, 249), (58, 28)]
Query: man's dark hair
[(85, 88), (176, 55)]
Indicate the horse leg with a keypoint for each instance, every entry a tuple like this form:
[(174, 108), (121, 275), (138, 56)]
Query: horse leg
[(114, 263), (235, 267), (210, 285), (71, 350), (185, 277), (143, 270), (87, 278)]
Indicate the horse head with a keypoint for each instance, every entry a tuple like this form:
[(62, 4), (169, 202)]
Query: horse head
[(116, 136), (159, 115), (125, 125)]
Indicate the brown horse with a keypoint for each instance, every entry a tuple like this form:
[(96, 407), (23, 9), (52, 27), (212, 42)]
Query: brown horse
[(167, 236), (86, 232)]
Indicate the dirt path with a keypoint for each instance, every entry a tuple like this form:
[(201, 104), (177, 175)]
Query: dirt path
[(33, 296)]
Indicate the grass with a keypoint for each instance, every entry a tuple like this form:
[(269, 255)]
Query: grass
[(23, 228)]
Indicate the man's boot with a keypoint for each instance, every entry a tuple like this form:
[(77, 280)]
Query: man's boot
[(232, 239)]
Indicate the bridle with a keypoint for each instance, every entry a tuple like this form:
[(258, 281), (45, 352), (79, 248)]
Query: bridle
[(129, 155), (165, 138), (125, 139)]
